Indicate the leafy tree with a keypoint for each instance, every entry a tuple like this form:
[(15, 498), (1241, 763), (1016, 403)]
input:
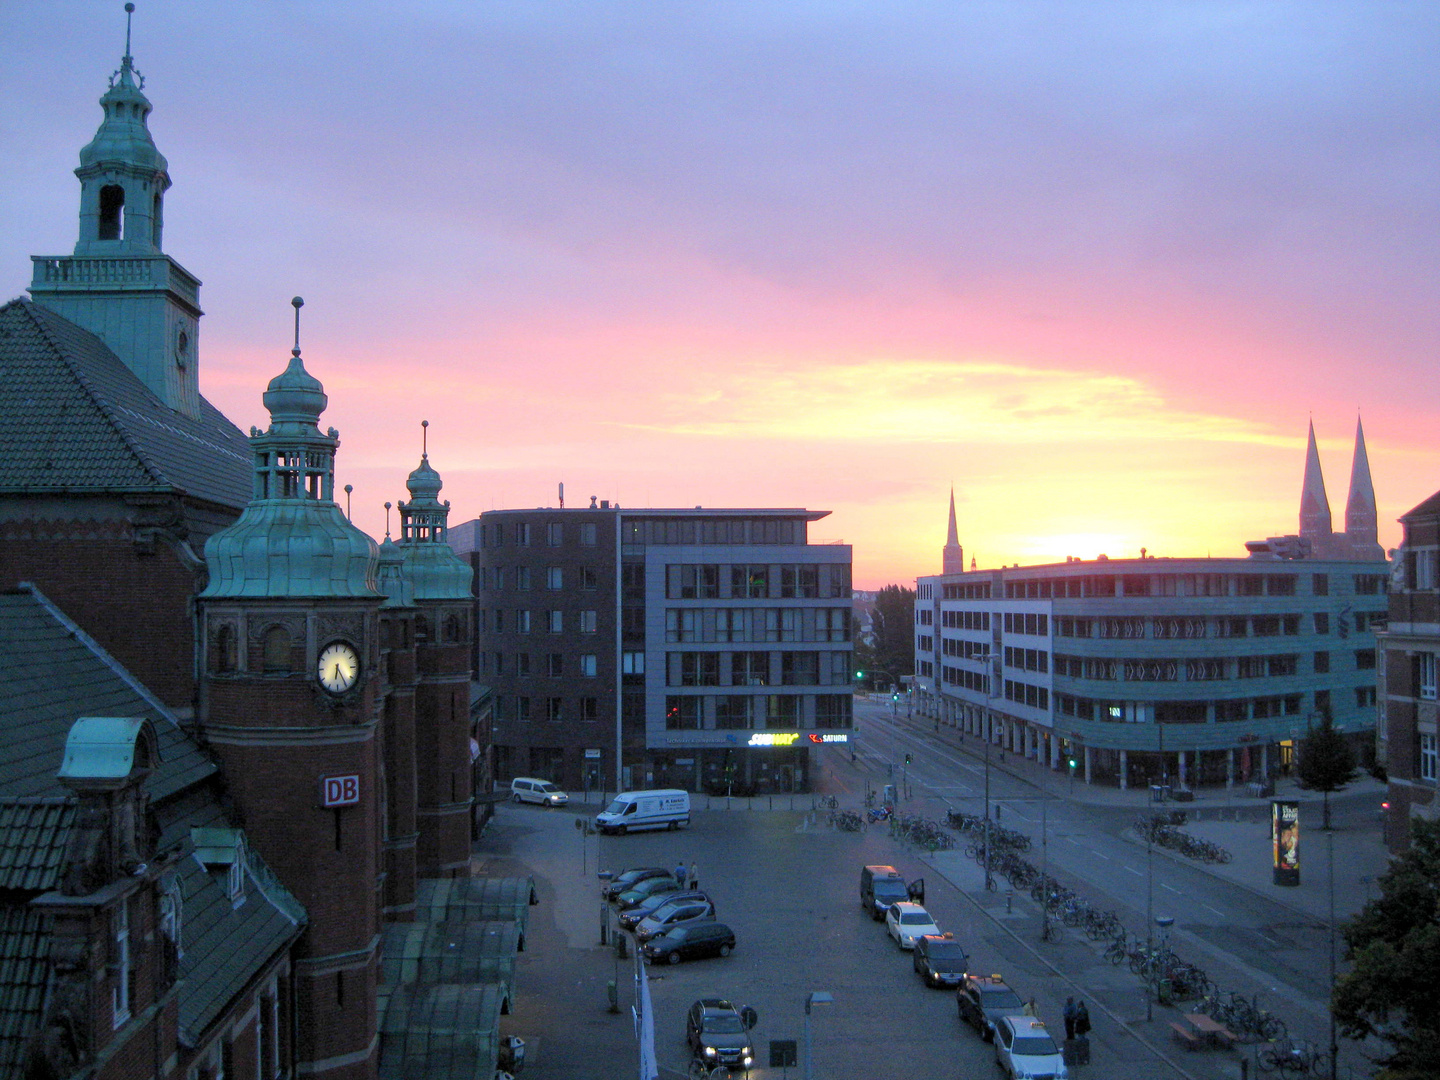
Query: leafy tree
[(1393, 945), (1327, 760), (893, 649)]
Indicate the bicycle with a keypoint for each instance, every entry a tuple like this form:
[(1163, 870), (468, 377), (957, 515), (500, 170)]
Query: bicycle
[(1297, 1057)]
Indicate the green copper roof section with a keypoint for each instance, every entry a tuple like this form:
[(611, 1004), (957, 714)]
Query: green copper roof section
[(108, 748), (393, 581), (123, 137), (434, 569), (292, 539)]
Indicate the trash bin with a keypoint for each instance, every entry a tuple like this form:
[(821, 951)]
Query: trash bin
[(1157, 793), (1165, 992)]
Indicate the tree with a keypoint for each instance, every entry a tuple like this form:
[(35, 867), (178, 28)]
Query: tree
[(1393, 944), (894, 648), (1327, 760)]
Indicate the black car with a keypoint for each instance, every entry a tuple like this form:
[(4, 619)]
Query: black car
[(643, 890), (690, 942), (939, 959), (628, 879), (983, 999), (718, 1035), (631, 917)]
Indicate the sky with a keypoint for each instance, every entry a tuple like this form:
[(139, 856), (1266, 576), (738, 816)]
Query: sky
[(1095, 265)]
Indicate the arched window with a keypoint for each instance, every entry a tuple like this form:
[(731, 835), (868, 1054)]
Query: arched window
[(112, 203), (277, 649), (452, 629), (422, 629), (224, 649), (156, 219)]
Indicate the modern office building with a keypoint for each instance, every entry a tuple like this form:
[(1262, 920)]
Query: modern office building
[(1408, 648), (1174, 670), (703, 649)]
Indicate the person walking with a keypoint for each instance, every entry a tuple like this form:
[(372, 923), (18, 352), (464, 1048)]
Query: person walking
[(680, 873), (1082, 1020), (693, 882), (1069, 1018), (1030, 1008)]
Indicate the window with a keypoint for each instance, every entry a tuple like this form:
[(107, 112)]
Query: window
[(782, 711), (522, 709), (522, 622), (588, 578), (1427, 757), (1322, 620), (1322, 663), (555, 709), (522, 577), (632, 578), (694, 669), (1364, 697), (555, 534), (499, 664), (680, 624), (749, 582), (587, 622), (120, 988), (799, 668), (682, 713), (522, 664), (277, 649), (587, 665), (589, 534), (1322, 702), (112, 202), (832, 710), (632, 622), (1425, 675), (1320, 584), (1365, 659), (589, 708), (554, 578), (750, 669), (555, 622), (692, 582), (733, 711), (554, 664), (522, 536), (499, 577), (632, 663)]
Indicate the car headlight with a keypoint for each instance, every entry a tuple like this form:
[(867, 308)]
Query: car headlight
[(748, 1060), (709, 1051)]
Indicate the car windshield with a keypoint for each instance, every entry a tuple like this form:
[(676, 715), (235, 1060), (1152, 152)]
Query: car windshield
[(946, 950), (915, 918), (1034, 1046), (1000, 999), (724, 1025), (888, 889), (617, 807)]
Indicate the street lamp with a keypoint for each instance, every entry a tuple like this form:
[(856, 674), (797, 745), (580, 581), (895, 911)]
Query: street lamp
[(1164, 922), (815, 997)]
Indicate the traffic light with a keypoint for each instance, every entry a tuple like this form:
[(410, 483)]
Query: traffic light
[(859, 675), (907, 757)]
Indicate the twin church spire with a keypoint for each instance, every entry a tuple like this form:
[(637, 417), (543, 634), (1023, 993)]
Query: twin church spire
[(1360, 540)]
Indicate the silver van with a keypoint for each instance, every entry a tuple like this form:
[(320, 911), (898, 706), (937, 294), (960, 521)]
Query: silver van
[(529, 789)]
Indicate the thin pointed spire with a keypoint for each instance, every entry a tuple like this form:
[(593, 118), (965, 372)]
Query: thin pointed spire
[(1315, 519), (953, 556), (1361, 519), (952, 535)]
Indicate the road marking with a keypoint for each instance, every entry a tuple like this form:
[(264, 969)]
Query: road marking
[(1216, 910), (1170, 887), (1134, 871), (1020, 815), (1101, 854)]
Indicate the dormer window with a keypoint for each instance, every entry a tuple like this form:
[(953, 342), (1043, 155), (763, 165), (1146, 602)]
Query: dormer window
[(112, 203)]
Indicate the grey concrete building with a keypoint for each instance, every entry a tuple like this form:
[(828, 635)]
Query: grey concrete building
[(703, 649)]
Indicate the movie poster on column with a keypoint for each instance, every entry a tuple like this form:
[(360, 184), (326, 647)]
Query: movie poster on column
[(1285, 841)]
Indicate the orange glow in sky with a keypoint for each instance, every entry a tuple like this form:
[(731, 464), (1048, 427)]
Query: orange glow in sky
[(1096, 267)]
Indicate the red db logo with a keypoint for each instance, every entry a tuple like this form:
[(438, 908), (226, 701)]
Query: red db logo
[(339, 791)]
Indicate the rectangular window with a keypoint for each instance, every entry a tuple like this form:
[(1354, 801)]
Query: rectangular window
[(555, 622), (554, 664), (522, 577), (1427, 757), (750, 669), (1322, 663), (1365, 659), (799, 668), (120, 987), (682, 713), (1320, 584), (522, 534), (1425, 663), (555, 533), (589, 534), (782, 711), (1364, 697), (522, 622), (632, 622), (588, 622), (522, 664), (499, 664), (832, 711), (554, 709), (749, 582), (733, 711), (499, 616), (522, 709), (587, 665), (1322, 621), (554, 578), (588, 578), (632, 663), (589, 706)]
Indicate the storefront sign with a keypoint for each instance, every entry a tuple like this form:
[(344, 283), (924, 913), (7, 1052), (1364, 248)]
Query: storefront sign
[(339, 791), (1285, 841), (775, 738), (592, 754), (828, 737)]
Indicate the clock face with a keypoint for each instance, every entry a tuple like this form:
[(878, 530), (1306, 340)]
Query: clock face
[(339, 667)]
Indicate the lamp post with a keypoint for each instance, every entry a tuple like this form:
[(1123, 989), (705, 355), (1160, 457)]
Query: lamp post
[(1334, 1047), (1150, 922), (815, 997)]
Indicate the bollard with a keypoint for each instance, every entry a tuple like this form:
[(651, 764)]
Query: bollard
[(620, 949), (1009, 901), (604, 925), (614, 994)]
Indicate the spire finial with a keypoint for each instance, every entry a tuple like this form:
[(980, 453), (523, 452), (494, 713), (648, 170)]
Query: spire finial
[(297, 303), (129, 11), (387, 521), (348, 489), (424, 438)]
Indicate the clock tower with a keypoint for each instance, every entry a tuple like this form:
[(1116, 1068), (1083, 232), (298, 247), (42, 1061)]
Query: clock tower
[(291, 700)]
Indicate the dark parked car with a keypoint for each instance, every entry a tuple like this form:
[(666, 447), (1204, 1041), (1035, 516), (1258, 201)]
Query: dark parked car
[(630, 918), (689, 942), (983, 999), (940, 959), (644, 889), (668, 916), (628, 879), (718, 1035)]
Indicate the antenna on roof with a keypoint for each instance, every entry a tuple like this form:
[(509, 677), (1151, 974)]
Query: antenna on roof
[(297, 303), (562, 495)]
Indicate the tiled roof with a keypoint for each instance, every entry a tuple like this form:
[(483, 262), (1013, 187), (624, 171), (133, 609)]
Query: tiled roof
[(24, 972), (34, 833), (51, 674), (75, 419)]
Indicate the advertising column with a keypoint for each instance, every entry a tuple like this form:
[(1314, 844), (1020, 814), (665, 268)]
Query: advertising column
[(1285, 841)]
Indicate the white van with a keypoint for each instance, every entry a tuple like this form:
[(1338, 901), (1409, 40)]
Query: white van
[(667, 808), (529, 789)]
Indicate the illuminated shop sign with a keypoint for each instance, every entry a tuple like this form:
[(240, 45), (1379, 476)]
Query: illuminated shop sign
[(816, 737), (790, 738)]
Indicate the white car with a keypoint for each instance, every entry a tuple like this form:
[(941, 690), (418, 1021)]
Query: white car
[(1024, 1049), (905, 922), (529, 789)]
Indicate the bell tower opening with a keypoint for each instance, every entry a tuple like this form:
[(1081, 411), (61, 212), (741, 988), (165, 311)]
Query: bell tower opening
[(156, 206), (112, 205)]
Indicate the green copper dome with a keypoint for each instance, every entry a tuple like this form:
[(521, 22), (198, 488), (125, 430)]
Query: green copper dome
[(431, 564), (123, 137), (292, 540)]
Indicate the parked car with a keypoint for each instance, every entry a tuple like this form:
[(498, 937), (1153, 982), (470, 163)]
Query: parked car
[(1024, 1049), (690, 942), (939, 960), (881, 886), (906, 921), (718, 1034), (664, 808), (528, 789), (984, 999), (628, 879), (630, 919), (669, 915), (649, 887)]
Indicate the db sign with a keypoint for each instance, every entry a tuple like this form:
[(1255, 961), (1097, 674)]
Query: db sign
[(339, 791)]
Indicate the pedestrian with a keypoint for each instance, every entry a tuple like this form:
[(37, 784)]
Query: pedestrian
[(1069, 1018), (1030, 1008), (693, 882), (680, 873), (1082, 1020)]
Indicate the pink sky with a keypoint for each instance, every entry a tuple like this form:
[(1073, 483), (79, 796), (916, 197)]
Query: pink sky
[(1096, 265)]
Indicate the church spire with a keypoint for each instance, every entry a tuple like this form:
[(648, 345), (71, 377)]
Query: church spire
[(1361, 519), (953, 557), (1314, 505)]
